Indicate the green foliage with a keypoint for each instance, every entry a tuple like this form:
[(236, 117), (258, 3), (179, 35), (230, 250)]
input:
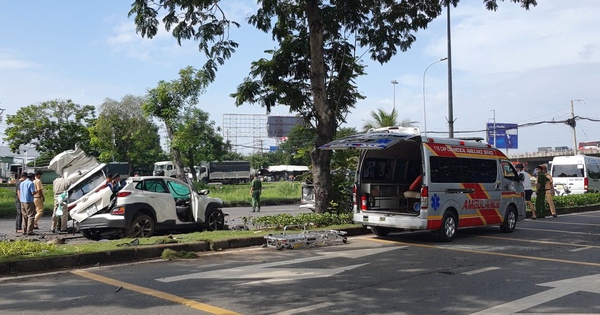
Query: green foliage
[(170, 254), (197, 140), (575, 200), (311, 220), (24, 248), (381, 118), (122, 133), (51, 127)]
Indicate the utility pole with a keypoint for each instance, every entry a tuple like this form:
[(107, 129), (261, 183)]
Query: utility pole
[(494, 130), (450, 106), (573, 124)]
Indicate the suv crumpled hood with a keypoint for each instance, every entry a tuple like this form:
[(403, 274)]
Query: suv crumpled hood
[(73, 164)]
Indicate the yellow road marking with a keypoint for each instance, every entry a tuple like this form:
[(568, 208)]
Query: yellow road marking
[(487, 253), (538, 241), (162, 295), (557, 231), (565, 223)]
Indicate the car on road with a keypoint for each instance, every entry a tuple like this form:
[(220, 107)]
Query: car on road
[(148, 204)]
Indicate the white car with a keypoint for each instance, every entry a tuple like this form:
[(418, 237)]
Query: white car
[(87, 183), (151, 203)]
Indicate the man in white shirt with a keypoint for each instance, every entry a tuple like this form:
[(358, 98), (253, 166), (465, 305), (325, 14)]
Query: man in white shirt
[(526, 179)]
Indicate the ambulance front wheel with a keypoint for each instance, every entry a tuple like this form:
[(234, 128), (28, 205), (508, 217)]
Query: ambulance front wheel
[(510, 220), (448, 229)]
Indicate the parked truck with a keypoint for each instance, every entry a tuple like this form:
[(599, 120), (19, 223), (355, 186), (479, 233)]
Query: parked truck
[(226, 172)]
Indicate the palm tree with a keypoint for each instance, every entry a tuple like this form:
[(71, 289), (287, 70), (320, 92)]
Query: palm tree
[(381, 118)]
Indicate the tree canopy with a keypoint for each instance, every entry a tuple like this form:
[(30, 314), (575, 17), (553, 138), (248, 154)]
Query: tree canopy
[(51, 127), (316, 63), (123, 133)]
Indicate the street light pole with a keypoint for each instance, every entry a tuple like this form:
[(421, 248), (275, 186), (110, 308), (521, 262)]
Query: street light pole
[(394, 82), (424, 109), (450, 106)]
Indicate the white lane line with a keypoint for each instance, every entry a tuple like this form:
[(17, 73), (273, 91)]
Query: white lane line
[(305, 309), (472, 272), (580, 249)]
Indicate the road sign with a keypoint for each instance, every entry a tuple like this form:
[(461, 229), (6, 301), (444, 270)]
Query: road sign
[(503, 135)]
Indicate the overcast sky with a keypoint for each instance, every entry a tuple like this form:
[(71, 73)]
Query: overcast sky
[(515, 65)]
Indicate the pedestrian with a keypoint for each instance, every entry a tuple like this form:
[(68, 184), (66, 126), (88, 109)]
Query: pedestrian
[(550, 192), (543, 190), (19, 222), (527, 188), (117, 183), (59, 220), (255, 191), (109, 181), (38, 198), (26, 193)]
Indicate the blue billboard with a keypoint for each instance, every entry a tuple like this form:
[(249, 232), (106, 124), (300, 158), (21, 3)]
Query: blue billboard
[(503, 136)]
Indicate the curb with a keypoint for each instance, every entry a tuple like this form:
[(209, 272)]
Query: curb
[(132, 254)]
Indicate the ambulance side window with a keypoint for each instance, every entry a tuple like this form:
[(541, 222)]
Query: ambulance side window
[(509, 171), (462, 170)]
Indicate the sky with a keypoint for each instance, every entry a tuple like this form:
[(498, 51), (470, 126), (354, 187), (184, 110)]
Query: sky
[(509, 66)]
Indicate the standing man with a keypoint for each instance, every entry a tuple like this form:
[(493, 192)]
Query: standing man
[(38, 199), (255, 190), (19, 222), (26, 193), (60, 185), (528, 189)]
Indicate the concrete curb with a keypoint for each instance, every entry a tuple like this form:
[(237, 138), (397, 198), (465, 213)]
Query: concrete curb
[(131, 254)]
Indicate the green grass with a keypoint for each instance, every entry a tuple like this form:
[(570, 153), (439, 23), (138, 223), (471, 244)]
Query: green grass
[(7, 201), (272, 193), (25, 249)]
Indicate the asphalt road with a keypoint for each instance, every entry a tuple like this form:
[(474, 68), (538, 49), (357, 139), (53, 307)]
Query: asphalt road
[(547, 266)]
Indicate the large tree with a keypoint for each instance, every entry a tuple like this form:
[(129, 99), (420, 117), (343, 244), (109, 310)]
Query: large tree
[(168, 100), (123, 133), (309, 29), (197, 139), (51, 127)]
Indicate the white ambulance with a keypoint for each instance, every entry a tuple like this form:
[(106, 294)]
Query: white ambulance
[(405, 181)]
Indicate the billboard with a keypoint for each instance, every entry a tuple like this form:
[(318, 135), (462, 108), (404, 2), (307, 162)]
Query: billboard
[(280, 126), (502, 135)]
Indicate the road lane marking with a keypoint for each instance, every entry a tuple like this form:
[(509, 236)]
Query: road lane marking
[(565, 223), (487, 253), (558, 231), (470, 273), (305, 309), (284, 270), (582, 248), (539, 242), (559, 289), (161, 295)]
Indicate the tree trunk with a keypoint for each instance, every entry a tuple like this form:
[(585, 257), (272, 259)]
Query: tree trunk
[(176, 153), (325, 116)]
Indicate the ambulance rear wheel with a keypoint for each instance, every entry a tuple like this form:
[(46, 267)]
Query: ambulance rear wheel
[(510, 220), (448, 229), (380, 231)]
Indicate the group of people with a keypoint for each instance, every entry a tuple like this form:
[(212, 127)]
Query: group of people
[(29, 202), (544, 191), (115, 182)]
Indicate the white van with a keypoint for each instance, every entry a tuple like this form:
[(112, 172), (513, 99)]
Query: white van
[(405, 181), (576, 174), (165, 168)]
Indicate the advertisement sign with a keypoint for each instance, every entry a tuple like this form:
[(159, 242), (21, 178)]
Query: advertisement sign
[(502, 135)]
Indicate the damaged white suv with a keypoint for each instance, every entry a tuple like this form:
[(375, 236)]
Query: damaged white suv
[(142, 207), (151, 203)]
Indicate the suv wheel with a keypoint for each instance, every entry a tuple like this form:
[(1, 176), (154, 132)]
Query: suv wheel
[(141, 226), (90, 236), (215, 220)]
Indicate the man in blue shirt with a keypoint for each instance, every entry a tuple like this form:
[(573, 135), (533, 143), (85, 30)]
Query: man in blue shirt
[(27, 191)]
